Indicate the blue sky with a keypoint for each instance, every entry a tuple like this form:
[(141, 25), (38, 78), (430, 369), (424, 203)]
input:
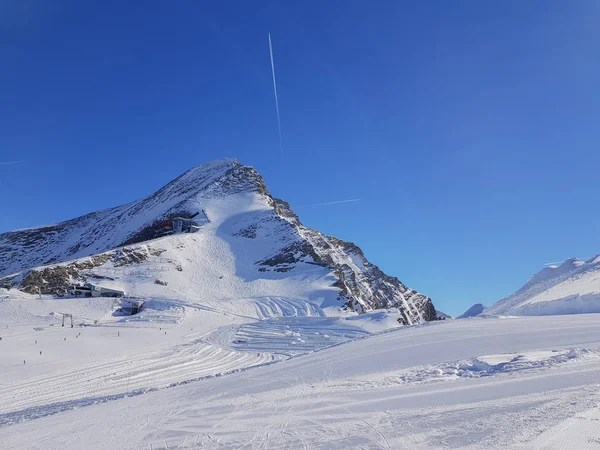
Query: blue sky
[(469, 130)]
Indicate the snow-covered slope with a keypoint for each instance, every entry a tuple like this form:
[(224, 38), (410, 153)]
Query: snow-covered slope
[(516, 383), (570, 288), (473, 311), (250, 245)]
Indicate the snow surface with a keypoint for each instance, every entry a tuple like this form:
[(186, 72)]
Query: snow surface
[(523, 382)]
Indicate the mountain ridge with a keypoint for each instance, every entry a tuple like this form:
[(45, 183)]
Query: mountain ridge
[(569, 288)]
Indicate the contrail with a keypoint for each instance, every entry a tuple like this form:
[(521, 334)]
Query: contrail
[(276, 97), (6, 163), (352, 200)]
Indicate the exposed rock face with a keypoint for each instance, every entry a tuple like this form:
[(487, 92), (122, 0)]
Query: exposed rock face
[(362, 286), (56, 279)]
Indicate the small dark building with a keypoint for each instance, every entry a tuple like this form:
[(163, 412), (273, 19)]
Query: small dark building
[(92, 290), (132, 306)]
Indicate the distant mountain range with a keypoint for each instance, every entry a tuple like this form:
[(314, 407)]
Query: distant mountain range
[(573, 287)]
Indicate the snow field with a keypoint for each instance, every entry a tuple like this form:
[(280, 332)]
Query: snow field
[(169, 342), (539, 373)]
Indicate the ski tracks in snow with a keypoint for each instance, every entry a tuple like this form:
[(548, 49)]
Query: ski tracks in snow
[(286, 327), (269, 307), (139, 372)]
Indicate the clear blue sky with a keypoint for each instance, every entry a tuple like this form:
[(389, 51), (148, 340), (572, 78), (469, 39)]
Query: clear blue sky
[(469, 130)]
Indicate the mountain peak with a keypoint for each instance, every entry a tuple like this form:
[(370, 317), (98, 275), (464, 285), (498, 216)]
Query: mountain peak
[(552, 271), (473, 311), (226, 174), (215, 166), (553, 289), (571, 263)]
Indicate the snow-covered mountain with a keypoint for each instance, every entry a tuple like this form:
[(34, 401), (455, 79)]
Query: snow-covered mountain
[(248, 245), (573, 287), (473, 311)]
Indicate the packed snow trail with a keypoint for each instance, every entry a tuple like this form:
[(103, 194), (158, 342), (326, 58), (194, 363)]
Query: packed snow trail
[(581, 432), (169, 342)]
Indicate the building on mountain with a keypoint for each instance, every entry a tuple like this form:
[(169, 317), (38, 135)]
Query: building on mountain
[(92, 290), (131, 306), (177, 225), (184, 225)]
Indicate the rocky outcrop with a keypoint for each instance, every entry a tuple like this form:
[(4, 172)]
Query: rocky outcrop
[(56, 280), (363, 286)]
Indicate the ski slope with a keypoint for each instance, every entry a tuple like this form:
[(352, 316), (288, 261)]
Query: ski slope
[(523, 382), (47, 366)]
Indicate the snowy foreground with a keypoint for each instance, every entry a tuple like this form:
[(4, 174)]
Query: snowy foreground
[(522, 382)]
